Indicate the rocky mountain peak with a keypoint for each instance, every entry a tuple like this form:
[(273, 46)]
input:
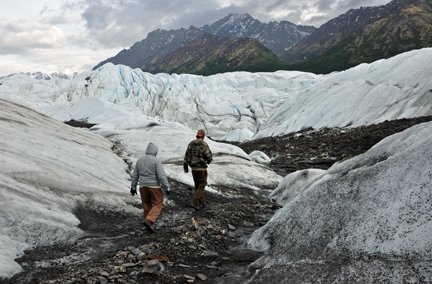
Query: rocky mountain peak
[(44, 76), (159, 43), (231, 25), (337, 29), (277, 36)]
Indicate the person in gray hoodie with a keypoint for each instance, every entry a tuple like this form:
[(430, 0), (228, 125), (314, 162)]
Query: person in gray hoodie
[(152, 177)]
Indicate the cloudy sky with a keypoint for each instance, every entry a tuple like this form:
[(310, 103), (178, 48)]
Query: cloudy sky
[(75, 35)]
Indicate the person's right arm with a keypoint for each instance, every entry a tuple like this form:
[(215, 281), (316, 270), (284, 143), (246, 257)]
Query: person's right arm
[(186, 161), (208, 156)]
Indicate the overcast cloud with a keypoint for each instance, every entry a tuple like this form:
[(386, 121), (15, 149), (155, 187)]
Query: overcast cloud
[(65, 36)]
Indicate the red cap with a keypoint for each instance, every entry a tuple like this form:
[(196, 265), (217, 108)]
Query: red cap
[(200, 133)]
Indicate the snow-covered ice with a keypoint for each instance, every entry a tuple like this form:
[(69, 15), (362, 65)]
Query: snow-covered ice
[(377, 203), (293, 184), (48, 168), (238, 106)]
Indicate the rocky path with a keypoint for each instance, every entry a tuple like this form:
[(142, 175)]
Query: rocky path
[(192, 246), (189, 246)]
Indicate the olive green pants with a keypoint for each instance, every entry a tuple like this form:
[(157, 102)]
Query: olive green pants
[(200, 180)]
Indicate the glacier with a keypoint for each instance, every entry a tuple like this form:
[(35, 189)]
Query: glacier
[(375, 206), (374, 209), (231, 106), (47, 169)]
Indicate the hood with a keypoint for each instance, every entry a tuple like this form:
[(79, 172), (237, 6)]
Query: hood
[(152, 149)]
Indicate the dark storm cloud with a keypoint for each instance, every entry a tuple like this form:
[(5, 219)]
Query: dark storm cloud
[(96, 16), (308, 12), (119, 23)]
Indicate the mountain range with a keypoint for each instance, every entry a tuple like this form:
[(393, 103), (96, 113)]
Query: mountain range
[(337, 29), (45, 76), (363, 36), (359, 36), (149, 53), (213, 54), (276, 36)]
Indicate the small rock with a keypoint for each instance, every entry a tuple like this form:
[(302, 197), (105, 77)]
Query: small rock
[(158, 257), (142, 256), (150, 270), (208, 253), (136, 251), (184, 265), (119, 269), (103, 273), (201, 277), (232, 234), (126, 265), (154, 262), (122, 253), (189, 277), (153, 267), (231, 227), (248, 224)]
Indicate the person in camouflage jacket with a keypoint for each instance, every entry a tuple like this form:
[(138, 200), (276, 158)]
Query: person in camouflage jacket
[(198, 155)]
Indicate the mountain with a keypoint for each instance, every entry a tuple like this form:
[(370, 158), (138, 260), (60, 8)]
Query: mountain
[(406, 28), (337, 29), (157, 45), (213, 54), (277, 36), (45, 76)]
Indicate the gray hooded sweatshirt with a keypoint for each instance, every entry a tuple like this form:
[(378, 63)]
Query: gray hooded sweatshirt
[(149, 170)]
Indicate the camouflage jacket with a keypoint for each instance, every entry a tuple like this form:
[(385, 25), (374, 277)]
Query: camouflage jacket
[(198, 155)]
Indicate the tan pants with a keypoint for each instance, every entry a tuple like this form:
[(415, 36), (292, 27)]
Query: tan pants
[(152, 201), (200, 180)]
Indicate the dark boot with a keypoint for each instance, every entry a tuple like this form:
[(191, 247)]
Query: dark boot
[(148, 224)]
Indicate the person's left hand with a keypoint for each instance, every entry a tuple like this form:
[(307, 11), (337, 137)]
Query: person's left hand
[(133, 191)]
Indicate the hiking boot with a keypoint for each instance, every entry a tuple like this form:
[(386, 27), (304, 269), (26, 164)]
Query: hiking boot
[(196, 207), (149, 226)]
